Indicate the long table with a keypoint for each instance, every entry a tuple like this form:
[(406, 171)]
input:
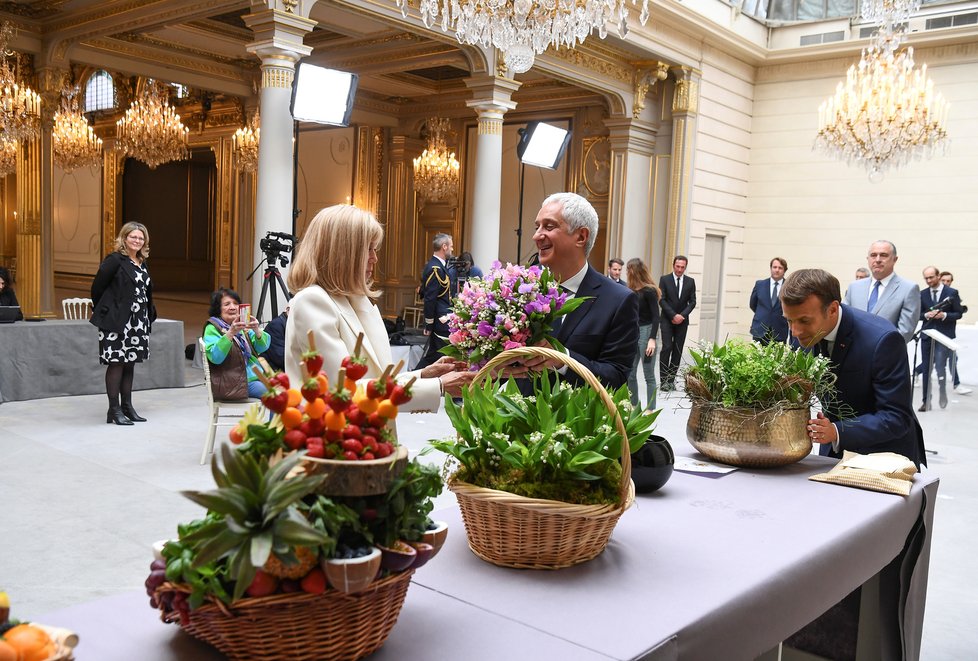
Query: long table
[(59, 357), (708, 568)]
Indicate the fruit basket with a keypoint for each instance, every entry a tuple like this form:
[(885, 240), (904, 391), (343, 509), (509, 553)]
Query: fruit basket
[(298, 626), (357, 478), (532, 533)]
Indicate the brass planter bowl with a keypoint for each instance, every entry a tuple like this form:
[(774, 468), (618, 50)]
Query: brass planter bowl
[(750, 438)]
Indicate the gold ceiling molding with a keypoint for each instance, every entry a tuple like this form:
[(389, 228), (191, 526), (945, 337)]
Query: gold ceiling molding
[(153, 42), (686, 96), (39, 10), (647, 74), (218, 28), (165, 12), (390, 58), (172, 59), (597, 63)]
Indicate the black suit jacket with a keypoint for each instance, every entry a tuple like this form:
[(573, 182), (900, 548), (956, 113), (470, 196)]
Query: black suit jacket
[(672, 302), (114, 292), (275, 353), (602, 334), (948, 325), (438, 285), (768, 318), (869, 359)]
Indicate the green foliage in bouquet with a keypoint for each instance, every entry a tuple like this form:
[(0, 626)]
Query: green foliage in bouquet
[(560, 443), (739, 374), (204, 579)]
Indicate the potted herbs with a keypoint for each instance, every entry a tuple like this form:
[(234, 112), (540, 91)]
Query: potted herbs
[(750, 402)]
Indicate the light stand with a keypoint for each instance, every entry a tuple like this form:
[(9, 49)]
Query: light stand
[(541, 145)]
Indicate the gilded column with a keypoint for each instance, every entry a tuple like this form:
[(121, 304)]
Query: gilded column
[(685, 104), (631, 187), (491, 99), (278, 43), (402, 235)]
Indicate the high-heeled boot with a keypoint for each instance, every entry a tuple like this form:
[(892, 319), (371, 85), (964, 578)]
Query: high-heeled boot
[(116, 415), (129, 411)]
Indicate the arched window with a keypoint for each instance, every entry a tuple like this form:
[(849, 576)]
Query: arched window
[(100, 92)]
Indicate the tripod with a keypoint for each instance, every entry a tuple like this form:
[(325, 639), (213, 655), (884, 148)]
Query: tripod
[(271, 272)]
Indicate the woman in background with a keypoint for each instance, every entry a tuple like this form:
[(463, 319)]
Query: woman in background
[(640, 281), (332, 276), (123, 313), (225, 333), (7, 296)]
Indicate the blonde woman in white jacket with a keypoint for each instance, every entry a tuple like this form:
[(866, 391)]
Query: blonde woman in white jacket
[(332, 277)]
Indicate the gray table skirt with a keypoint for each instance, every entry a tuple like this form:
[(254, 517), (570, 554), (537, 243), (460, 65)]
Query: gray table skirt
[(708, 568), (60, 357)]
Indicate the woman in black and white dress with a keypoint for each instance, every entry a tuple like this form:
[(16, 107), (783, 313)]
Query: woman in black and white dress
[(124, 313)]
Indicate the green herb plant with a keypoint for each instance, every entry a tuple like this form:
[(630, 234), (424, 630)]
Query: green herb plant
[(560, 443)]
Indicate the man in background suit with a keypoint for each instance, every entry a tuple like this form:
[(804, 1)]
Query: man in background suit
[(614, 270), (602, 333), (943, 320), (438, 286), (886, 294), (769, 324), (678, 300), (869, 359)]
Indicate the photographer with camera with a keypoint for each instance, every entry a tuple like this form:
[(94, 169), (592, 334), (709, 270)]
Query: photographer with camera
[(940, 309), (273, 245), (439, 283)]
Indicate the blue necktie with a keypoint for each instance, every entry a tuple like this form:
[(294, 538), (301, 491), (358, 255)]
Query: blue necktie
[(873, 297)]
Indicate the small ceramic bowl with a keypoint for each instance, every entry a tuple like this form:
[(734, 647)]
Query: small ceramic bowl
[(352, 574)]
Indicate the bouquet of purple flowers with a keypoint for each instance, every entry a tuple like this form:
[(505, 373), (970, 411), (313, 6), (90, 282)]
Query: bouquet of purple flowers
[(511, 306)]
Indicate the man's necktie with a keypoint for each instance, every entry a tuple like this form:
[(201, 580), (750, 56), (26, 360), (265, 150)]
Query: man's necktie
[(679, 287), (558, 322), (823, 348), (873, 297), (934, 293), (774, 295)]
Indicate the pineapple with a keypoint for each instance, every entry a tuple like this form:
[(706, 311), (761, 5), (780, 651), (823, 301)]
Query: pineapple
[(262, 525)]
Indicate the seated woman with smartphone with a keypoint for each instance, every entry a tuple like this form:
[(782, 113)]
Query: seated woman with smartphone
[(232, 342)]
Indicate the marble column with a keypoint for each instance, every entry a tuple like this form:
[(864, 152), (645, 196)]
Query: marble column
[(491, 99), (631, 188), (278, 43), (685, 104)]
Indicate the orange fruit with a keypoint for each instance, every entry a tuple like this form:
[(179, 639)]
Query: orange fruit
[(31, 643), (316, 408), (8, 652), (387, 409), (294, 397), (350, 385), (323, 382), (291, 417), (334, 421)]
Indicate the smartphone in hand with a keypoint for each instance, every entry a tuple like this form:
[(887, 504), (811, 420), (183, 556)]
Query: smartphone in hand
[(244, 313)]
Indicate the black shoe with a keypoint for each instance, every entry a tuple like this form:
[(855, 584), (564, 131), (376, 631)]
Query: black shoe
[(942, 397), (924, 407), (130, 413), (115, 415)]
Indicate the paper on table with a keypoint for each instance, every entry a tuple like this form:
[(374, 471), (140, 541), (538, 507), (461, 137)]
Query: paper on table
[(696, 466), (886, 472)]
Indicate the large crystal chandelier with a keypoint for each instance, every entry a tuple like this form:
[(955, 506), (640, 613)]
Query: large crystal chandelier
[(521, 28), (245, 145), (436, 170), (20, 106), (886, 112), (8, 156), (151, 130), (75, 142)]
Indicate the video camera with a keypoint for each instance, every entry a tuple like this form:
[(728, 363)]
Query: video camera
[(460, 266), (276, 243)]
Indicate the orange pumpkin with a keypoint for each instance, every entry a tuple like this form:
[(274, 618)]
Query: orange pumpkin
[(8, 652), (31, 643)]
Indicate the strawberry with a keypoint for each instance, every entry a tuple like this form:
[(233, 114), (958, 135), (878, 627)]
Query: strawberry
[(295, 439), (262, 585), (384, 449), (310, 389), (400, 395), (313, 360), (353, 445), (314, 582), (376, 389), (280, 379), (276, 399), (350, 454), (338, 398), (355, 416), (356, 367), (352, 431), (375, 420), (315, 448), (367, 456), (369, 443), (334, 435)]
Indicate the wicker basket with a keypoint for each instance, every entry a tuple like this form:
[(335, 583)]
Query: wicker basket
[(299, 626), (532, 533)]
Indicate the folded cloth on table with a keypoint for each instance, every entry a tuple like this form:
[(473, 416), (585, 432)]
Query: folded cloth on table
[(65, 640), (887, 472)]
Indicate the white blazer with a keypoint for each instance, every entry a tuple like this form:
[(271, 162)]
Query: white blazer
[(336, 321)]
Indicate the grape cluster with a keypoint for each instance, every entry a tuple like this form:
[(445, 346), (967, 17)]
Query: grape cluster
[(171, 600)]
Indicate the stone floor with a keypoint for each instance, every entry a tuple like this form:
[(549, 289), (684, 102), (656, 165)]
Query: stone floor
[(83, 501)]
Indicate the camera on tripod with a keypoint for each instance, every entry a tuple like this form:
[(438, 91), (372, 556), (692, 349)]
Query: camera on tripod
[(462, 267), (276, 243)]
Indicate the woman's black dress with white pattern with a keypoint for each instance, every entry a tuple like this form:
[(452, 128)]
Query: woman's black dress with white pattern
[(132, 345)]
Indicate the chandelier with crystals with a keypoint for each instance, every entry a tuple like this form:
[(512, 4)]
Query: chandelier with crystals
[(436, 170), (522, 28), (244, 145), (20, 106), (8, 156), (151, 131), (886, 112), (75, 143)]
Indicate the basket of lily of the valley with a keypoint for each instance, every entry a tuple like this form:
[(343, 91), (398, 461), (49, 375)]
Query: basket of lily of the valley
[(541, 479), (751, 403)]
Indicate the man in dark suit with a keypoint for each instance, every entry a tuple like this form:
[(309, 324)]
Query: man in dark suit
[(769, 324), (614, 270), (438, 286), (942, 317), (275, 353), (678, 300), (869, 359), (602, 334)]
